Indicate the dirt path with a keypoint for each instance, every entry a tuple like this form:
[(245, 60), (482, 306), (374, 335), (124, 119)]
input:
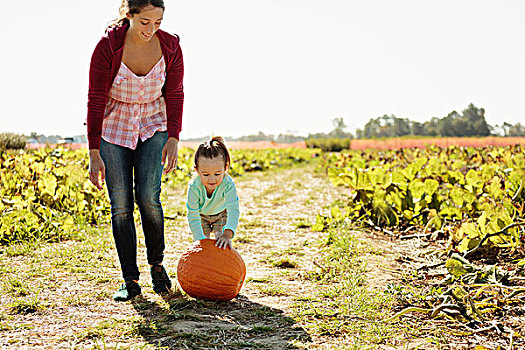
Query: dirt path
[(59, 295)]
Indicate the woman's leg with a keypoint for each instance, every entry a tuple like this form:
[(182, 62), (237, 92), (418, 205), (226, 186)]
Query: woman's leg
[(148, 173), (118, 161)]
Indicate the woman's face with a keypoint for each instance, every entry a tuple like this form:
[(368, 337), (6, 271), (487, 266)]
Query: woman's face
[(146, 23)]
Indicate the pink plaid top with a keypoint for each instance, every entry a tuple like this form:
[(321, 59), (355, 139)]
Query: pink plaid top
[(135, 106)]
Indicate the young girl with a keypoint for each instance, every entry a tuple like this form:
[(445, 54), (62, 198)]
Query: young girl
[(213, 205)]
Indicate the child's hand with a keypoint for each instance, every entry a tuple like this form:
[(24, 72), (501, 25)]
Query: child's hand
[(225, 240)]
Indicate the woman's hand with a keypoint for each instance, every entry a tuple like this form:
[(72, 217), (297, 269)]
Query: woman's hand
[(97, 169), (170, 151), (225, 240)]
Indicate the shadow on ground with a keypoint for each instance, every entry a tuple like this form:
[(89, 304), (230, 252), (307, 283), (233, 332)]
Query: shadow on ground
[(196, 324)]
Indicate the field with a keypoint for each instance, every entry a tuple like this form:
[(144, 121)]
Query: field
[(194, 145), (251, 145), (397, 143), (414, 248), (356, 144)]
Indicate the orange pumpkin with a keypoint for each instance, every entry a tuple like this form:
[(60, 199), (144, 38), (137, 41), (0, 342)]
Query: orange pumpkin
[(207, 272)]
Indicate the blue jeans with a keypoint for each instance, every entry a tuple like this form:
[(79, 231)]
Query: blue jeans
[(138, 169)]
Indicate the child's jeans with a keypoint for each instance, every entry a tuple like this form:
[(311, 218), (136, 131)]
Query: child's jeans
[(213, 223), (135, 175)]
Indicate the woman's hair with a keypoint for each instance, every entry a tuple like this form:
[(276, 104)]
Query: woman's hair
[(212, 149), (133, 7)]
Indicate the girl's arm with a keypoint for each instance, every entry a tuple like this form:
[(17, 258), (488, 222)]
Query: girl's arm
[(194, 215), (232, 208)]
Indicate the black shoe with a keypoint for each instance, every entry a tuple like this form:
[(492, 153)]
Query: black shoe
[(127, 291), (160, 280)]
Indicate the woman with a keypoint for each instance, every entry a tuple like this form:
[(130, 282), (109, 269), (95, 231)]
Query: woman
[(134, 119)]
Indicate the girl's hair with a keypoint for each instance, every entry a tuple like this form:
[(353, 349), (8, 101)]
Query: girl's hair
[(133, 7), (212, 149)]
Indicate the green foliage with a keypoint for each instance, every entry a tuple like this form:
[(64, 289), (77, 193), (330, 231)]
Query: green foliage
[(243, 161), (329, 144), (338, 132), (471, 122), (516, 130), (468, 193), (265, 159), (10, 140), (46, 194), (473, 197)]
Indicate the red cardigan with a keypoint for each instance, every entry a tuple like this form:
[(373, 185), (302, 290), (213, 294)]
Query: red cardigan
[(104, 67)]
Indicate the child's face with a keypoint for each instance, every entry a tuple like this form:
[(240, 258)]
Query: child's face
[(211, 172)]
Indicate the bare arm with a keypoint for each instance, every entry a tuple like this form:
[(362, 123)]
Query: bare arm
[(97, 170), (170, 155)]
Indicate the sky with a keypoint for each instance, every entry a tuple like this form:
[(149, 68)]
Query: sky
[(279, 66)]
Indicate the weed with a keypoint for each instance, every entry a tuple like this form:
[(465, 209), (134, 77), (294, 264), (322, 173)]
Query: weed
[(253, 224), (176, 316), (16, 287), (78, 300), (343, 304), (19, 249), (302, 223), (243, 239), (264, 279), (103, 346), (271, 289), (285, 263), (193, 336), (264, 312), (27, 306), (148, 328), (294, 251), (248, 345), (91, 333)]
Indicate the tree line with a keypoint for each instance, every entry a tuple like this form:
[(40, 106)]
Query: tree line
[(471, 122)]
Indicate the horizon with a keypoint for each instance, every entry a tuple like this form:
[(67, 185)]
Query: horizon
[(257, 133), (495, 130)]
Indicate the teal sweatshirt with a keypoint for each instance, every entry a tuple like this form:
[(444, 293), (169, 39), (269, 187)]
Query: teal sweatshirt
[(223, 197)]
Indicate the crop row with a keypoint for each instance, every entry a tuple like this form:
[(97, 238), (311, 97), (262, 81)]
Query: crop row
[(468, 204), (46, 194), (465, 193)]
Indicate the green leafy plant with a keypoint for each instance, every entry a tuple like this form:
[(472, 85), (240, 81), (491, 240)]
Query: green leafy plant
[(465, 192), (45, 194)]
